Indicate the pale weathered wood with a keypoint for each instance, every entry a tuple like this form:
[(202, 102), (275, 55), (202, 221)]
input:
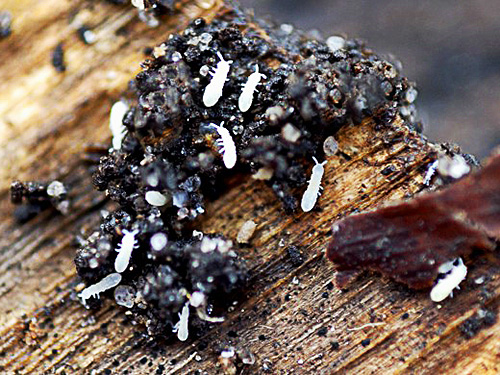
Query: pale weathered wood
[(46, 118)]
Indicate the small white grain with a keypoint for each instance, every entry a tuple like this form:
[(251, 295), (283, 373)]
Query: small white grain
[(155, 198)]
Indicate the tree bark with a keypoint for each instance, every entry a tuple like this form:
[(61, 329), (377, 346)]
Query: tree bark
[(291, 319)]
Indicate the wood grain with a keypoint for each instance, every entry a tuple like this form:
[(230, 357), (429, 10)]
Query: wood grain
[(47, 118)]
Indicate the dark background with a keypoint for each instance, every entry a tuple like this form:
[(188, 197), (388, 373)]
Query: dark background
[(450, 48)]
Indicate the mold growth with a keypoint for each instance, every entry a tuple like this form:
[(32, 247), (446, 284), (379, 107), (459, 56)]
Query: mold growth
[(168, 164)]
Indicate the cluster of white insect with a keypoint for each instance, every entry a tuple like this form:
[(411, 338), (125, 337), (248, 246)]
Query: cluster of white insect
[(212, 94), (314, 188), (94, 290), (128, 243), (226, 144), (454, 273), (213, 91), (118, 130)]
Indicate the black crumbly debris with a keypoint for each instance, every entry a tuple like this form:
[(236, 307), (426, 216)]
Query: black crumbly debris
[(169, 164), (5, 24), (58, 58), (37, 196), (482, 319), (295, 255)]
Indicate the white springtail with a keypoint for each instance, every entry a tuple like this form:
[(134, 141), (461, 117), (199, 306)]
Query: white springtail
[(313, 189), (246, 97), (94, 290), (129, 243), (118, 130), (455, 274), (213, 91), (181, 327), (228, 148)]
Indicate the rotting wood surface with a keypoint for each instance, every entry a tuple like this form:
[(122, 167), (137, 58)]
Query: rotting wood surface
[(47, 118)]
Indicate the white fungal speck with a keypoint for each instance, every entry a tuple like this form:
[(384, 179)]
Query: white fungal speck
[(125, 296), (160, 51), (479, 280), (263, 173), (313, 189), (118, 130), (179, 198), (181, 327), (411, 95), (228, 353), (455, 273), (94, 290), (176, 56), (228, 148), (129, 243), (56, 189), (213, 91), (290, 133), (286, 28), (89, 36), (197, 235), (197, 299), (454, 167), (204, 70), (330, 146), (159, 241), (335, 43), (155, 198), (246, 231), (275, 114), (246, 97)]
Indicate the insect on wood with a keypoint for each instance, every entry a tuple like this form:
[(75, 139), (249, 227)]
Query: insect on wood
[(455, 273), (213, 91), (181, 327), (246, 97), (313, 189), (94, 290)]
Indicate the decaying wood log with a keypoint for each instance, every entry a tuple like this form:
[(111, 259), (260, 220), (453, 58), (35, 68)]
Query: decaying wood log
[(291, 320)]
